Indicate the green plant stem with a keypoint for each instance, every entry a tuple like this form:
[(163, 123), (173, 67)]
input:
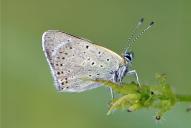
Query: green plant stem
[(183, 98)]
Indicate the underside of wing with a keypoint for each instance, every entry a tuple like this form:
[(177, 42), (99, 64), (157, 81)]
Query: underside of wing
[(74, 61)]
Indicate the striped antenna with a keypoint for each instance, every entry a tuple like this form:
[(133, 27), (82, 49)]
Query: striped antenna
[(140, 22), (135, 29), (139, 35)]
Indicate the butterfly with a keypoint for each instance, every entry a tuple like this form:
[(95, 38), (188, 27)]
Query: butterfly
[(73, 58)]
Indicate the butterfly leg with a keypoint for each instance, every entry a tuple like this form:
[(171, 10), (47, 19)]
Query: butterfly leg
[(133, 72), (112, 94)]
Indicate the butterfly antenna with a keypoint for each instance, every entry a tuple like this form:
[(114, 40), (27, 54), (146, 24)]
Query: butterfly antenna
[(134, 31), (140, 34)]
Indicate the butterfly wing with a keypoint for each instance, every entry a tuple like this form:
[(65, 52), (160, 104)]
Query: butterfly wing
[(73, 59)]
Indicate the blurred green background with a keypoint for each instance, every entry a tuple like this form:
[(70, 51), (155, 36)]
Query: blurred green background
[(28, 97)]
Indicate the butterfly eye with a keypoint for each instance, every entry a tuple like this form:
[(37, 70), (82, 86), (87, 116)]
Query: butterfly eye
[(129, 56)]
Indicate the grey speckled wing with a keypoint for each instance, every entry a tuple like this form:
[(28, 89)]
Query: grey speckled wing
[(71, 59)]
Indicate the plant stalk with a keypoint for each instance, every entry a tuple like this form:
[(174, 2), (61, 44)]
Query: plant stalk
[(183, 98)]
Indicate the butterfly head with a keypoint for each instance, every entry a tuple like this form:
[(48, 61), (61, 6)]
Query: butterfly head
[(128, 56)]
